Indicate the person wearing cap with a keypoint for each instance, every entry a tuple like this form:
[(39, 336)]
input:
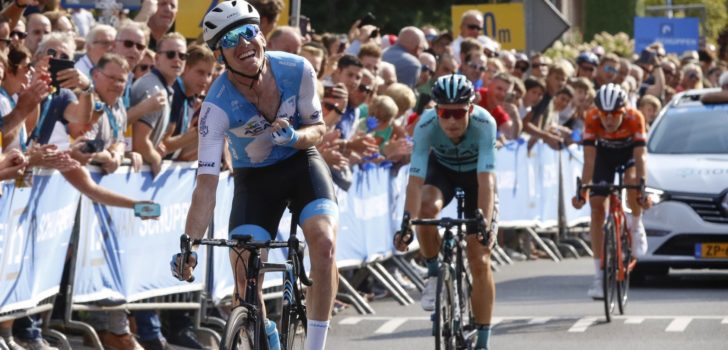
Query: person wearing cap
[(586, 63), (521, 67), (274, 157)]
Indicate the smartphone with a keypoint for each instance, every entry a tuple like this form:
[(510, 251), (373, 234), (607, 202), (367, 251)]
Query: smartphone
[(328, 89), (57, 65), (93, 146), (147, 210)]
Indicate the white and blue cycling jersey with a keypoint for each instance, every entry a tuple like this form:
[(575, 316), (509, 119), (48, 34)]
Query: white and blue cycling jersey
[(226, 112)]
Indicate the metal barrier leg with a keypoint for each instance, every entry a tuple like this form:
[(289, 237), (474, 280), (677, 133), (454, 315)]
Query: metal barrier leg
[(84, 328), (373, 271), (356, 299), (409, 272), (541, 244), (388, 276), (60, 339), (502, 253), (567, 249), (580, 245), (553, 247), (208, 336)]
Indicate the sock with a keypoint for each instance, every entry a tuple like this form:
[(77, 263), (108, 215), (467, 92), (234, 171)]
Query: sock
[(433, 265), (316, 336), (598, 268), (483, 337), (274, 341)]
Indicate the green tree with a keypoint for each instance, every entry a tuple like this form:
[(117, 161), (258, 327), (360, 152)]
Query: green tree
[(716, 12), (612, 16)]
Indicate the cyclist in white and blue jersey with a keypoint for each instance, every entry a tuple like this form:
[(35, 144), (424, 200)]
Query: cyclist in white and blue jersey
[(266, 105), (454, 146)]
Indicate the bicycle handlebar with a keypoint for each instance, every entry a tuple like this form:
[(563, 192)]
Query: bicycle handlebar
[(186, 249), (246, 242), (609, 187)]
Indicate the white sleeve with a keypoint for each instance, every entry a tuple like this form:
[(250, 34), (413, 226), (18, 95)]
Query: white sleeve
[(309, 107), (213, 124)]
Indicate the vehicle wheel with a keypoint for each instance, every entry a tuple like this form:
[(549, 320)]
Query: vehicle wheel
[(239, 331), (444, 311), (609, 278)]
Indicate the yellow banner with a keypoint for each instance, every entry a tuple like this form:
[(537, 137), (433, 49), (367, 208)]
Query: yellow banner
[(191, 13), (503, 23)]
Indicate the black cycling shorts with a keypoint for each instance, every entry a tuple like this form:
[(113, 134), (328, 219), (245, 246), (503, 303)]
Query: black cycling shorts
[(446, 180), (261, 194), (605, 166)]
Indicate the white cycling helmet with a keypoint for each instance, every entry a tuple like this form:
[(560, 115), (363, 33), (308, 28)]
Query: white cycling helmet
[(226, 16), (610, 97)]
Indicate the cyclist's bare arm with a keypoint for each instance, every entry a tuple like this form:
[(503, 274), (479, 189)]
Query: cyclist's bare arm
[(640, 162), (310, 135), (587, 173), (486, 195), (202, 206), (414, 196)]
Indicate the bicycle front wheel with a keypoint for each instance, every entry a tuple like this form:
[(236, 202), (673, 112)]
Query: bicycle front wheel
[(626, 258), (465, 319), (444, 316), (609, 278), (293, 329), (239, 331)]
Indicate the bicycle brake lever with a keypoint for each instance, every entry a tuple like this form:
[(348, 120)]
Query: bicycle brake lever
[(186, 248)]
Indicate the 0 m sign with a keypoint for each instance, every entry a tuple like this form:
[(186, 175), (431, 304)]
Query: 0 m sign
[(503, 23)]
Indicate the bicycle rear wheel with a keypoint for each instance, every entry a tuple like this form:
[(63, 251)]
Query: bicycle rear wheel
[(444, 311), (609, 279), (239, 331), (293, 328), (626, 258)]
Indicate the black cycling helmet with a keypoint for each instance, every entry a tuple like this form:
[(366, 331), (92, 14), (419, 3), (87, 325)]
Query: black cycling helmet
[(610, 97), (453, 89), (587, 57)]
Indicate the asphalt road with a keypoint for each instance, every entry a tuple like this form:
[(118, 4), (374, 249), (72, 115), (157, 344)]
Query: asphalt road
[(543, 305)]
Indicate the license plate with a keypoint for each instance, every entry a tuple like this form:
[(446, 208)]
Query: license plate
[(711, 250)]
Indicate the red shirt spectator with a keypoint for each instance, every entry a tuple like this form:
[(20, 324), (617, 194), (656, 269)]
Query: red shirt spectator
[(498, 113)]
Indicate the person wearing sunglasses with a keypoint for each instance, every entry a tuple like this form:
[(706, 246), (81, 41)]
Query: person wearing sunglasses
[(607, 70), (149, 130), (614, 136), (267, 106), (454, 146), (586, 63), (471, 26)]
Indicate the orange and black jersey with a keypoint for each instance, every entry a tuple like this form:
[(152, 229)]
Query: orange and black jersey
[(631, 132)]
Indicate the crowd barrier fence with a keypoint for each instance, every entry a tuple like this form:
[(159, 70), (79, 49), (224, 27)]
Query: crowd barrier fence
[(126, 260)]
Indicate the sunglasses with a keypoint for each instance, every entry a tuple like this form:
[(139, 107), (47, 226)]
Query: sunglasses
[(18, 34), (587, 68), (610, 69), (474, 27), (57, 55), (144, 67), (612, 114), (131, 43), (537, 65), (232, 38), (364, 88), (477, 66), (452, 113), (426, 69), (172, 54)]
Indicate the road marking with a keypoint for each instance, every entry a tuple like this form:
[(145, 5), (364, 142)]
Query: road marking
[(725, 321), (495, 320), (391, 325), (539, 320), (634, 320), (582, 324), (350, 321), (678, 324)]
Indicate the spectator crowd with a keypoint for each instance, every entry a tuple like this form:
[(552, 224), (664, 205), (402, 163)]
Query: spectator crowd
[(75, 92)]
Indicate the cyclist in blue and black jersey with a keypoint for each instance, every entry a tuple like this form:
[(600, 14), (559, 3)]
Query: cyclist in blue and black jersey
[(454, 146), (267, 107)]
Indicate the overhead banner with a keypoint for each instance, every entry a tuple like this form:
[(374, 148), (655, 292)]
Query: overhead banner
[(34, 236), (677, 35)]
